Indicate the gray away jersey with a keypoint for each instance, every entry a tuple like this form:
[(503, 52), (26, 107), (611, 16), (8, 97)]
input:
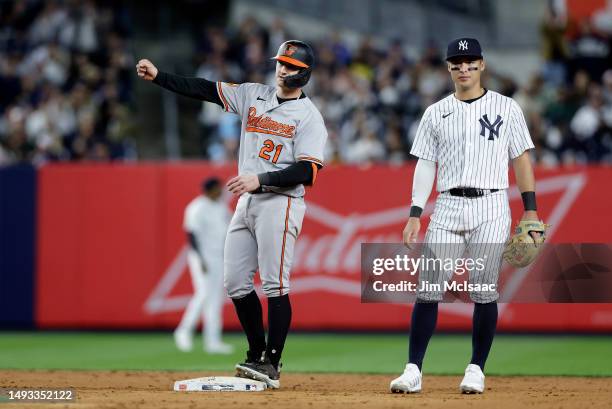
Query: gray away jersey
[(472, 143), (273, 136)]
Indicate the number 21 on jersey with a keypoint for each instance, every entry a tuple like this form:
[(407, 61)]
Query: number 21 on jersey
[(267, 148)]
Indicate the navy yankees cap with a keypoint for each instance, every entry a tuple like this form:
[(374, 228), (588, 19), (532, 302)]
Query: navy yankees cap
[(463, 47)]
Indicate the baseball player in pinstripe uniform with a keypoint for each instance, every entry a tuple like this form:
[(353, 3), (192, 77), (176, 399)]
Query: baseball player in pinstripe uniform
[(281, 149), (470, 136)]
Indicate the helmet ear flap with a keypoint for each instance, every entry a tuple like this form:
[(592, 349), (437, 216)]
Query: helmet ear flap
[(298, 80)]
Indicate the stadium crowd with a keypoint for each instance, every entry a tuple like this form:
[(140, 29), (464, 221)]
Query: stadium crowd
[(66, 78), (372, 98)]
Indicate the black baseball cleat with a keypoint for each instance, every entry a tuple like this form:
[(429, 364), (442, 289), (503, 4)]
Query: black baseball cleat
[(261, 370), (251, 359)]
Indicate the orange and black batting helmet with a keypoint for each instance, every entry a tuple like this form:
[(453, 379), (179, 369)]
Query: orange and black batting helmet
[(300, 55)]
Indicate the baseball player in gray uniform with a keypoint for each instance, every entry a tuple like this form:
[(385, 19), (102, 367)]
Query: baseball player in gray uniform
[(470, 136), (281, 150)]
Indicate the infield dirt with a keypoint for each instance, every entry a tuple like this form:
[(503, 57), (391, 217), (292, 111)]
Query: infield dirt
[(133, 389)]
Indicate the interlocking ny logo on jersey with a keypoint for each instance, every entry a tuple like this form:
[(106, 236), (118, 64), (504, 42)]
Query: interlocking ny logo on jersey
[(463, 45), (492, 127), (267, 125)]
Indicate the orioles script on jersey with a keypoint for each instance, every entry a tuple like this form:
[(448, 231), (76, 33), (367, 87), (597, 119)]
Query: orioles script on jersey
[(265, 124)]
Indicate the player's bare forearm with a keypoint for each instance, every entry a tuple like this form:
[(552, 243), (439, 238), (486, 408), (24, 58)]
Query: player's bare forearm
[(525, 179), (524, 172)]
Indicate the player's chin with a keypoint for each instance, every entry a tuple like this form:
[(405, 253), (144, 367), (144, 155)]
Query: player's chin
[(465, 84)]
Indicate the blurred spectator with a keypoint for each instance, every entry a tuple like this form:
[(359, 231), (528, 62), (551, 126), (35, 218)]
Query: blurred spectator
[(66, 80), (590, 52), (367, 148), (607, 84), (277, 34), (65, 74), (368, 97), (591, 125), (555, 48), (339, 51)]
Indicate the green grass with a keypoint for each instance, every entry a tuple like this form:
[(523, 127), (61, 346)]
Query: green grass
[(447, 354)]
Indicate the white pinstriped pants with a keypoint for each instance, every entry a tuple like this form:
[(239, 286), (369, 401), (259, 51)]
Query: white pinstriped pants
[(462, 227)]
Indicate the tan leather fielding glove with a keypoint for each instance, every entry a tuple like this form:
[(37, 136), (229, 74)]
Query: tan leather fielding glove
[(522, 248)]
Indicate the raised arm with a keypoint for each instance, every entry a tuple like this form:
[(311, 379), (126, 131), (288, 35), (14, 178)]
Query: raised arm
[(198, 88)]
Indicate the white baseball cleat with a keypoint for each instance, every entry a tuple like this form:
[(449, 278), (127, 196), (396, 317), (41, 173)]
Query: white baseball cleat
[(408, 382), (183, 340), (473, 381), (219, 348)]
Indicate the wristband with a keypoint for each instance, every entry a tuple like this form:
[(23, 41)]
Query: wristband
[(529, 200), (264, 179), (415, 211)]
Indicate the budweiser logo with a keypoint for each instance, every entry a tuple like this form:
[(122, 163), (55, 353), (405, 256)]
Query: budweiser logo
[(339, 252), (265, 124), (329, 257)]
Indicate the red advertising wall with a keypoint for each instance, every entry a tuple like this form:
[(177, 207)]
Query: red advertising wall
[(111, 247)]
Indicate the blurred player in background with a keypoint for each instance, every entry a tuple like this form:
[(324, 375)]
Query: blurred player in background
[(206, 220)]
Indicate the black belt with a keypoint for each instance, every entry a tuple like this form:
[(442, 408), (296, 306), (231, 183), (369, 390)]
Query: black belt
[(469, 191)]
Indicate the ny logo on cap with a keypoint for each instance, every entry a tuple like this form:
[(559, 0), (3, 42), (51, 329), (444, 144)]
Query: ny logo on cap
[(463, 45), (290, 50)]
